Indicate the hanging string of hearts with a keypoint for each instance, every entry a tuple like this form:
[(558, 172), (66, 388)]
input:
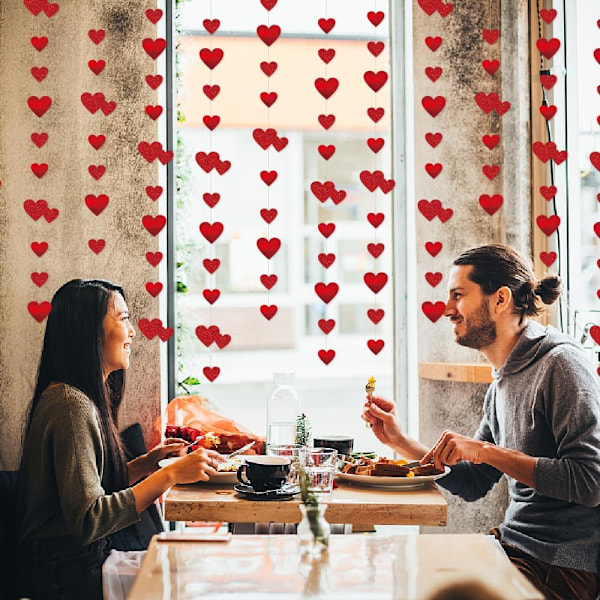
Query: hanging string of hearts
[(39, 210), (151, 152), (374, 180), (266, 139), (595, 161), (433, 106), (546, 151)]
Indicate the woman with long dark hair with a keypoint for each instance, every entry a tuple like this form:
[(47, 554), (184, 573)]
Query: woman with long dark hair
[(75, 487)]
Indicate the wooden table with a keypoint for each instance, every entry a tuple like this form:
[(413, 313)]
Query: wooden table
[(348, 504), (373, 566)]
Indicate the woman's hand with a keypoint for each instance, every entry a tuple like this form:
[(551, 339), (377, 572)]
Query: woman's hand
[(199, 465), (165, 449), (382, 416)]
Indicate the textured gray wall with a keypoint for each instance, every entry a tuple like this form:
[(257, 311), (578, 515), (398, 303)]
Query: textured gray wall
[(67, 182)]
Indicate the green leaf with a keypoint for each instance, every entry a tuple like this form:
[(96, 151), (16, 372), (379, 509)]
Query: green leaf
[(182, 288), (191, 381)]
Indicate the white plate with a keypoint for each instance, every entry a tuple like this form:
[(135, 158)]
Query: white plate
[(390, 482), (219, 478)]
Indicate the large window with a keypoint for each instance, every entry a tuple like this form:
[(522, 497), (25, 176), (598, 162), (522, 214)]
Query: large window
[(331, 394)]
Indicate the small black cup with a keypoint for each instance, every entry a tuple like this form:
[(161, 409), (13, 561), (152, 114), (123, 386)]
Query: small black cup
[(342, 443), (264, 473)]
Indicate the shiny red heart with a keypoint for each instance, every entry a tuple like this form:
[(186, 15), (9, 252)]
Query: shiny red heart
[(39, 105), (491, 141), (548, 48), (326, 291), (326, 24), (154, 81), (326, 325), (268, 98), (211, 121), (154, 48), (39, 311), (268, 311), (375, 314), (433, 278), (433, 170), (326, 229), (326, 355), (326, 151), (39, 43), (154, 15), (544, 151), (491, 171), (433, 105), (433, 311), (433, 43), (375, 144), (97, 171), (154, 288), (154, 192), (39, 73), (375, 17), (39, 169), (268, 176), (548, 111), (326, 54), (597, 55), (548, 191), (39, 139), (548, 258), (96, 246), (548, 81), (326, 121), (490, 203), (211, 264), (433, 139), (96, 203), (548, 15), (595, 159), (375, 346), (39, 278), (211, 296), (434, 73), (268, 247), (375, 80), (39, 248), (96, 35), (268, 4), (326, 259), (433, 248), (268, 280), (211, 25), (491, 66), (96, 66), (211, 91), (376, 219), (375, 281), (375, 48), (211, 373), (597, 229), (268, 215), (268, 35), (268, 68), (375, 114), (490, 35), (595, 333), (154, 111), (548, 224), (211, 231), (154, 225), (96, 141), (375, 250), (211, 200), (326, 87), (211, 57), (154, 258)]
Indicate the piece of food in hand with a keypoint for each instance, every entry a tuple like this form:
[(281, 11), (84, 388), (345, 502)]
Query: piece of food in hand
[(370, 387), (230, 466), (423, 470)]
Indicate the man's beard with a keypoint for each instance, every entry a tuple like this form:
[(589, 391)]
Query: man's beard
[(481, 330)]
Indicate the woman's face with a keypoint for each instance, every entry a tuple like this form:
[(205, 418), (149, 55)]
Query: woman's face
[(118, 333)]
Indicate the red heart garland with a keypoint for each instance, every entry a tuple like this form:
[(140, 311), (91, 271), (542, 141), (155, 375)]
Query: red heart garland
[(211, 231), (211, 296), (268, 176), (433, 279), (326, 325), (154, 225), (433, 311), (433, 248), (375, 314), (39, 170), (211, 264), (490, 35), (433, 139), (268, 215), (154, 48), (548, 258), (39, 248), (96, 246), (96, 35), (96, 203), (491, 171), (491, 66), (39, 278), (154, 258), (39, 106), (434, 73), (211, 91), (433, 43), (326, 151), (326, 355), (154, 192), (96, 141), (326, 54), (376, 219), (433, 170), (548, 224), (154, 111), (375, 250), (39, 43), (39, 73), (375, 48), (212, 160), (548, 81), (211, 200), (490, 203), (211, 373), (211, 57), (433, 105), (326, 259), (548, 111), (96, 66), (548, 48), (491, 141), (268, 247), (326, 291), (154, 81), (154, 15), (211, 25), (268, 68), (375, 281), (97, 171), (548, 15), (548, 191), (268, 35), (326, 87), (375, 17), (39, 139), (326, 24), (154, 288), (268, 280), (268, 311), (211, 121), (375, 346), (39, 311), (326, 229), (375, 114), (375, 80)]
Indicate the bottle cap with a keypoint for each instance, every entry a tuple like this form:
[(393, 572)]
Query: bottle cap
[(283, 377)]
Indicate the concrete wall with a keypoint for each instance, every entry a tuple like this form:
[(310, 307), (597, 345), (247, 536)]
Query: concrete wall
[(68, 153)]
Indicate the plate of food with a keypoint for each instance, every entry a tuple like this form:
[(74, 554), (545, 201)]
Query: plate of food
[(226, 473), (388, 473)]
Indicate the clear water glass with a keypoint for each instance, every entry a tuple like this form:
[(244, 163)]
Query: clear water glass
[(320, 466), (291, 451)]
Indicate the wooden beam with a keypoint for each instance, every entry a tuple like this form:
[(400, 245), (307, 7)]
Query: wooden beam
[(472, 373)]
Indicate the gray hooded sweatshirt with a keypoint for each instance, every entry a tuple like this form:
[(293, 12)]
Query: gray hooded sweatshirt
[(545, 402)]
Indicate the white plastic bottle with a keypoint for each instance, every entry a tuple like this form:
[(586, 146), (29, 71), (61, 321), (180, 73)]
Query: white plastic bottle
[(283, 408)]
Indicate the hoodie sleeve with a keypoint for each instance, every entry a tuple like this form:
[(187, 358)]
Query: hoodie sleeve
[(570, 399)]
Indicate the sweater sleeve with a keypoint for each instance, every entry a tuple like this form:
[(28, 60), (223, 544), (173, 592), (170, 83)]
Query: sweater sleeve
[(570, 399), (78, 451)]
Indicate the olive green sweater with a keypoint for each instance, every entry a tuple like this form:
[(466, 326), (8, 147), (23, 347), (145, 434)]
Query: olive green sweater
[(59, 492)]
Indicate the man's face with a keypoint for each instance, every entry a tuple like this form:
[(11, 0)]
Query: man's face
[(468, 309)]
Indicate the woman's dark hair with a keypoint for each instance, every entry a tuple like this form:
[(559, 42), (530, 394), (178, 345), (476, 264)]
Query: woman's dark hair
[(72, 354), (495, 266)]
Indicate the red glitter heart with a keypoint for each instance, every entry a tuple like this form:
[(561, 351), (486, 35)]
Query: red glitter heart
[(434, 73), (548, 225), (50, 9), (326, 325), (433, 139), (211, 373), (154, 328), (96, 66), (375, 80), (268, 68), (326, 151), (92, 102), (39, 73), (433, 278), (375, 17), (211, 58), (211, 200), (444, 9), (375, 144), (433, 43), (39, 170), (544, 151), (96, 35), (326, 24), (560, 156), (154, 15), (39, 139), (548, 15), (97, 171), (211, 264), (375, 346), (444, 214), (96, 246), (35, 209), (326, 87), (433, 105), (34, 6), (96, 141), (491, 66), (268, 4), (326, 355), (433, 311), (326, 54), (486, 101), (326, 291), (375, 281), (326, 229), (491, 141), (154, 111), (211, 161), (268, 34), (154, 81), (211, 122), (597, 55), (154, 192), (268, 280), (375, 114), (375, 314), (108, 107), (429, 209), (548, 111), (433, 170), (211, 25), (211, 231), (268, 98), (375, 250), (268, 176), (39, 248), (548, 48), (207, 335), (376, 219), (268, 215), (490, 35), (211, 296), (595, 159), (548, 81), (268, 311), (326, 259), (39, 43), (429, 6), (96, 203), (39, 311), (154, 225), (375, 48), (154, 258), (491, 171), (154, 288), (548, 191), (595, 333), (154, 48), (490, 203), (39, 105), (548, 258), (433, 248), (39, 278), (268, 247)]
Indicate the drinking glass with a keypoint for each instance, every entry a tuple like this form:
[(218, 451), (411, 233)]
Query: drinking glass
[(320, 466), (291, 451)]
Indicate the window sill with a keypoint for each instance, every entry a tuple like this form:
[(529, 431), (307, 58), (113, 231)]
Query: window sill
[(471, 373)]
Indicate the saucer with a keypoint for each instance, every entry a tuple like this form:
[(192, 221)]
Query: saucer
[(285, 492)]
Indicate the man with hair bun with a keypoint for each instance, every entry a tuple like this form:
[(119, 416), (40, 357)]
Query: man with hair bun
[(540, 425)]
